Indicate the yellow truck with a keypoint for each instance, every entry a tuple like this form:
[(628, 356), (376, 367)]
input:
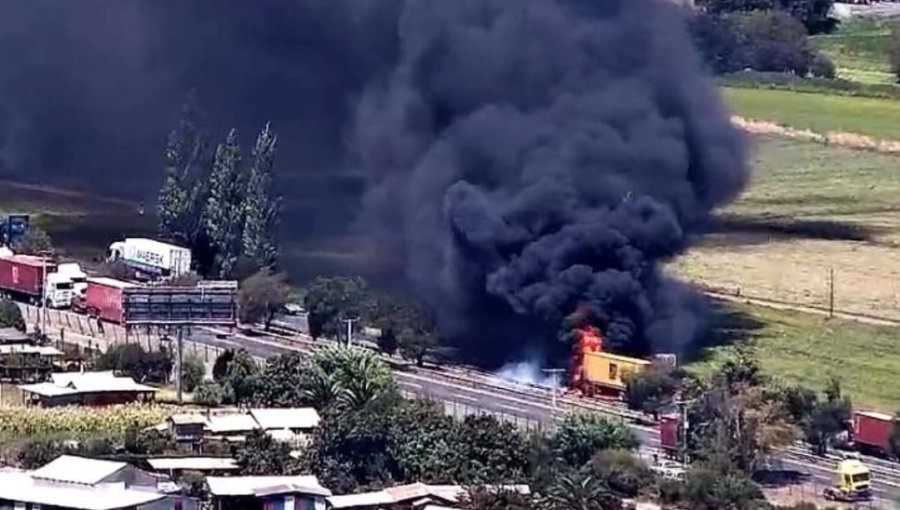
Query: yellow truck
[(853, 483)]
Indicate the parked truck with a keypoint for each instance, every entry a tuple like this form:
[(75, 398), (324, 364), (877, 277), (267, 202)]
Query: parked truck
[(872, 432), (150, 257), (35, 280), (103, 299)]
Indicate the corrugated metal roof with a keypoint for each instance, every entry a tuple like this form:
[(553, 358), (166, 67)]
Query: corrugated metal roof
[(29, 349), (225, 423), (291, 488), (81, 470), (246, 485), (412, 492), (193, 463), (46, 389), (95, 382), (361, 500), (296, 418), (21, 487), (188, 419)]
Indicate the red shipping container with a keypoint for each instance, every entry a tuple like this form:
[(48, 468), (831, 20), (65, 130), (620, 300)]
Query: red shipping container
[(872, 429), (23, 274), (668, 433), (103, 298)]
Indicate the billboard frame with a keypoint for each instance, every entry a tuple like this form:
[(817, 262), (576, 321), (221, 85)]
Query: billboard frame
[(179, 306)]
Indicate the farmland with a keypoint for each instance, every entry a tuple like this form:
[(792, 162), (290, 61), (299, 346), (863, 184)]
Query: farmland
[(809, 350), (859, 50), (810, 209)]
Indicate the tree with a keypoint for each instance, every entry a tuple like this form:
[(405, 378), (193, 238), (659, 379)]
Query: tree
[(709, 488), (223, 215), (185, 157), (894, 49), (261, 455), (581, 436), (328, 300), (39, 450), (578, 490), (210, 394), (396, 315), (220, 366), (346, 377), (620, 470), (281, 381), (262, 296), (415, 345), (651, 389), (490, 498), (828, 418), (261, 206), (35, 241), (192, 371), (490, 451), (132, 360), (242, 377), (813, 15), (423, 442), (11, 315)]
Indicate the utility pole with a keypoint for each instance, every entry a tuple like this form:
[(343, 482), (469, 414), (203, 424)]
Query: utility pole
[(43, 293), (683, 406), (180, 360), (831, 293), (554, 373), (349, 323)]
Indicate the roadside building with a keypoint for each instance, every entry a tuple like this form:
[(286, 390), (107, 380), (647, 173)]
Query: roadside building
[(267, 493), (86, 388), (79, 483)]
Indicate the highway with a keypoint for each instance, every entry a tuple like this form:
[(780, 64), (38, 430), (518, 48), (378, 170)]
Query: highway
[(463, 393)]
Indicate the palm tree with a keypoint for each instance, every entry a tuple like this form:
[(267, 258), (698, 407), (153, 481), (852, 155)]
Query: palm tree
[(579, 491), (348, 377)]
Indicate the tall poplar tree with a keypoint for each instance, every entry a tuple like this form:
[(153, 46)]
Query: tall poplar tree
[(261, 206), (223, 216)]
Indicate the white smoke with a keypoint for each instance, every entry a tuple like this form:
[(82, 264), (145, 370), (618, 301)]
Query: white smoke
[(530, 373)]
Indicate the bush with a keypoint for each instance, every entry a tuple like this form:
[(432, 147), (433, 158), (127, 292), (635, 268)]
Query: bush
[(210, 394), (11, 315), (710, 489), (623, 473), (894, 49), (39, 450), (192, 372), (783, 81), (581, 436), (132, 360)]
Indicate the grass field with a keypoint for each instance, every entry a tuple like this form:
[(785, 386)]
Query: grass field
[(859, 50), (809, 350), (810, 209), (822, 113)]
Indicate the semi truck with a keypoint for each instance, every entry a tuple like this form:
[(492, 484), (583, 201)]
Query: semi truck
[(853, 483), (103, 299), (36, 280), (149, 257), (872, 432)]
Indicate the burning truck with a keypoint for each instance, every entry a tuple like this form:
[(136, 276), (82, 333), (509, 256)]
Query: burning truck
[(596, 372)]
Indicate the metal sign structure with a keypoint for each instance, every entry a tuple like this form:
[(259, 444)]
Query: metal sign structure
[(180, 306)]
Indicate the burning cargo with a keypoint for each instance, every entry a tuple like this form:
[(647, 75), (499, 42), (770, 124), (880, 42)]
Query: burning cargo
[(596, 372)]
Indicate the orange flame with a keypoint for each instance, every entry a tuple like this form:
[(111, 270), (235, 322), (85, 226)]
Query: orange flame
[(589, 340)]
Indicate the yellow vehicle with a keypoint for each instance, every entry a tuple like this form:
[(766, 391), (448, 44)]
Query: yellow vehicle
[(853, 483)]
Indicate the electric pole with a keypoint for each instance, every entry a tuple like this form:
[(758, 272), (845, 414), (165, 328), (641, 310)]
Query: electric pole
[(554, 373), (179, 358), (683, 406), (349, 323)]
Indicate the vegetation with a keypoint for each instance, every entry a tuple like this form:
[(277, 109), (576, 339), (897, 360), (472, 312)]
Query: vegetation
[(262, 296), (813, 14), (133, 361), (581, 436), (821, 113), (329, 300), (36, 241), (79, 423), (261, 455), (192, 372), (652, 389), (11, 315), (224, 212), (859, 49)]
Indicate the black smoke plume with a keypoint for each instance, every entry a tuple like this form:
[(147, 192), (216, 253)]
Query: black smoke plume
[(532, 159), (517, 159)]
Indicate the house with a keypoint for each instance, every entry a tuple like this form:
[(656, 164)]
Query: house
[(287, 425), (410, 495), (79, 483), (86, 388), (187, 428), (267, 493), (230, 427)]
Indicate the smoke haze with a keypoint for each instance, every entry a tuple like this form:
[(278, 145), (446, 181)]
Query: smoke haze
[(514, 160)]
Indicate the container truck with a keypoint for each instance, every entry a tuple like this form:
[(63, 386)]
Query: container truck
[(103, 299), (872, 431), (151, 257), (33, 279)]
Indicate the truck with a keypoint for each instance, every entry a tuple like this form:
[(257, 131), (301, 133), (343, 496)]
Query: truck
[(150, 257), (103, 299), (669, 441), (34, 280), (872, 431), (852, 483)]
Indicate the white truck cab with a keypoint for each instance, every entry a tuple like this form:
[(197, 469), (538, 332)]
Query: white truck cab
[(58, 291)]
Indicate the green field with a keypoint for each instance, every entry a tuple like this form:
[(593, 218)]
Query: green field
[(809, 350), (822, 113), (859, 50)]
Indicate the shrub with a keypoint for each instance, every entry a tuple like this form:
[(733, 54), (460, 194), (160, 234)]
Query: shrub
[(132, 360), (11, 315), (192, 372), (210, 394)]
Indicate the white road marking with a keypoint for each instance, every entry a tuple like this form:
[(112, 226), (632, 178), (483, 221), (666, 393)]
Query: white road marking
[(463, 397), (411, 385)]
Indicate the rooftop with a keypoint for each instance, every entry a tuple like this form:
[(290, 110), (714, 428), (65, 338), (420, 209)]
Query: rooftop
[(228, 423), (193, 463), (188, 419), (22, 487), (29, 349), (73, 383), (257, 485), (80, 470), (13, 335), (297, 418), (411, 492)]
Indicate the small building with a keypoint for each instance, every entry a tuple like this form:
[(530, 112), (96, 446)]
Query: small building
[(86, 388), (14, 336), (410, 495), (79, 483), (187, 428), (230, 427), (291, 426), (267, 493)]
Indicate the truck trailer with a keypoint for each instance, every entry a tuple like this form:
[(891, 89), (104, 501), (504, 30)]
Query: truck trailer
[(150, 257), (103, 299), (872, 431)]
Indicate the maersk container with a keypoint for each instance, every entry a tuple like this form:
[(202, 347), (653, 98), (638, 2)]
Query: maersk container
[(23, 275), (104, 298), (872, 431), (151, 256)]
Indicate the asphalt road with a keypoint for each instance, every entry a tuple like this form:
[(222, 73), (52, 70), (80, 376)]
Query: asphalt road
[(520, 405)]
